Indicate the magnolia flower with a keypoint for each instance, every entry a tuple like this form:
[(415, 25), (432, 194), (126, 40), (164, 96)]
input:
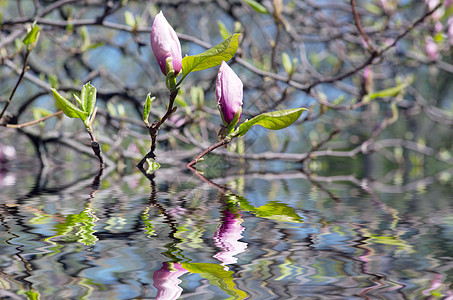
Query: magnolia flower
[(227, 238), (165, 44), (228, 91), (166, 281)]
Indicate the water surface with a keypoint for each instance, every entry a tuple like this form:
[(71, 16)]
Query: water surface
[(258, 236)]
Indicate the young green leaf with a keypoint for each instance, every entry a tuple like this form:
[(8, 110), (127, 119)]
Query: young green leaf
[(393, 91), (274, 120), (31, 37), (68, 108), (82, 105), (86, 41), (129, 19), (147, 108), (88, 96), (257, 6), (212, 57), (287, 64)]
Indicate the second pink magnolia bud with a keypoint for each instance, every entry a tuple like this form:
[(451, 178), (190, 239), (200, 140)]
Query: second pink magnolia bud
[(229, 92), (165, 44)]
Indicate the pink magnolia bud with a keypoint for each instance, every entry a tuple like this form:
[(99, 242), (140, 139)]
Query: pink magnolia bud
[(166, 280), (367, 80), (227, 238), (165, 44), (229, 91), (431, 48)]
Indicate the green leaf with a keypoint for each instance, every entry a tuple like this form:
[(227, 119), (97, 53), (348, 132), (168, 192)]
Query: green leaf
[(147, 108), (224, 32), (31, 37), (68, 108), (211, 57), (257, 6), (274, 120), (88, 96), (80, 102)]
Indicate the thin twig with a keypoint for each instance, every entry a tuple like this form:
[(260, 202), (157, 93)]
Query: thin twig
[(359, 27), (225, 141), (154, 128), (33, 122), (21, 76)]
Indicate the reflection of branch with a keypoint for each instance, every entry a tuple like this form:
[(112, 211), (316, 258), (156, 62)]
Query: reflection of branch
[(210, 182), (172, 247)]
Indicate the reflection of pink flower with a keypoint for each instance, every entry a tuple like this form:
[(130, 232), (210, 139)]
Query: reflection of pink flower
[(227, 238), (166, 281)]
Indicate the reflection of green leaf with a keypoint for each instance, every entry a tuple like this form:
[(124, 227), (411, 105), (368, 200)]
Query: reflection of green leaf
[(152, 165), (211, 57), (272, 210), (41, 219), (391, 241), (83, 222), (149, 227), (216, 276), (279, 212), (32, 295), (274, 120)]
